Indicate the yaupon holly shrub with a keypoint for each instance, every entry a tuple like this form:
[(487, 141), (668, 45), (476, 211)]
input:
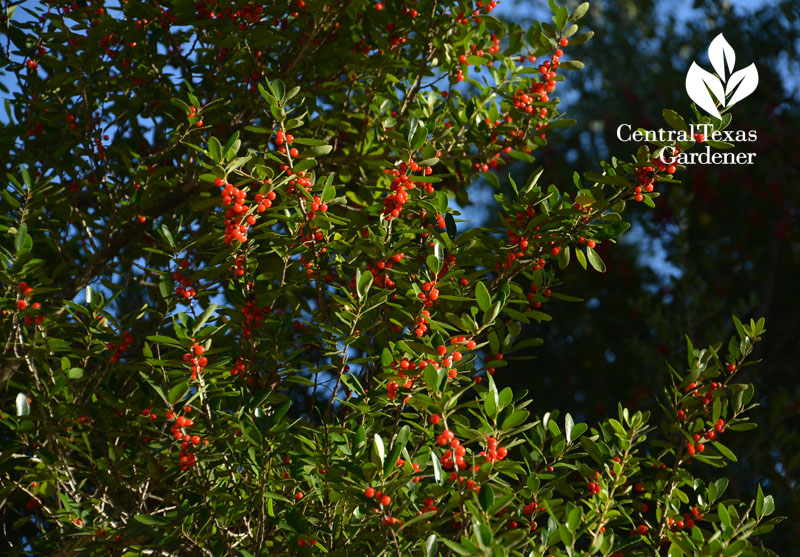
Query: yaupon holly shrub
[(240, 315)]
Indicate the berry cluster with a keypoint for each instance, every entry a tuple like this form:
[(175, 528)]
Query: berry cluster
[(239, 367), (520, 243), (253, 317), (401, 184), (121, 348), (24, 291), (239, 264), (493, 452), (30, 317), (33, 503), (196, 359), (688, 521), (185, 287), (237, 222)]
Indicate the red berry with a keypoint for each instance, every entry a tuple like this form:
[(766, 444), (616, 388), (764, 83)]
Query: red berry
[(369, 492)]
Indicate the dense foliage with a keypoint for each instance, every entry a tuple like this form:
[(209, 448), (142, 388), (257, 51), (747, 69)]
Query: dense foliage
[(241, 317)]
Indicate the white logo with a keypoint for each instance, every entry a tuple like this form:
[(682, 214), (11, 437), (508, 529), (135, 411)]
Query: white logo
[(701, 85)]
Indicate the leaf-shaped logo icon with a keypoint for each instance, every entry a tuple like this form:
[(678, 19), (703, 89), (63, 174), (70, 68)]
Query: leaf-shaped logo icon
[(743, 83), (725, 89), (698, 84), (718, 52)]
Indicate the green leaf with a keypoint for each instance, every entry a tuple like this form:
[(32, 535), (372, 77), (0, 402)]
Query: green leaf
[(595, 260), (433, 264), (20, 240), (278, 88), (574, 518), (530, 183), (675, 120), (494, 342), (581, 258), (486, 497), (580, 39), (309, 141), (23, 408), (491, 177), (431, 378), (178, 392), (156, 388), (204, 318), (437, 468), (572, 65), (528, 343), (397, 447), (491, 400), (450, 223), (417, 134), (724, 451), (380, 450), (514, 419), (769, 505), (563, 257), (724, 517), (364, 284), (457, 547), (482, 296), (317, 151), (215, 150), (491, 315), (150, 520), (578, 430), (579, 11), (561, 123), (592, 449), (431, 546), (560, 14), (568, 425), (759, 502), (328, 193)]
